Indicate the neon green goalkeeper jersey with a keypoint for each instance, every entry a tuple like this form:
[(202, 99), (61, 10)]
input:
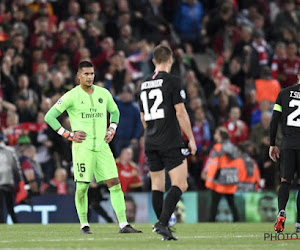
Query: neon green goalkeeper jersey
[(88, 112)]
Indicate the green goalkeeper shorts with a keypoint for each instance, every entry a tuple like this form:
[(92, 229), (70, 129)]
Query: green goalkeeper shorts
[(87, 163)]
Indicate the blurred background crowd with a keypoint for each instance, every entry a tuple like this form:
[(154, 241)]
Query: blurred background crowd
[(233, 56)]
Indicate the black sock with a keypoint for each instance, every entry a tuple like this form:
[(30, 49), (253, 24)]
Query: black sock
[(157, 202), (283, 195), (170, 203), (298, 204)]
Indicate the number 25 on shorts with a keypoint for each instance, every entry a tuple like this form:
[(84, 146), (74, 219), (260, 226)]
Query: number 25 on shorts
[(81, 167)]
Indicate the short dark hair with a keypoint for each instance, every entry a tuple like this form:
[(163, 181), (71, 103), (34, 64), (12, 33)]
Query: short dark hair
[(162, 53), (223, 133), (85, 64)]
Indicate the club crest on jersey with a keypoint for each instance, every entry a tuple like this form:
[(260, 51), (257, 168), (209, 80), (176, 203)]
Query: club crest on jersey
[(59, 102), (183, 94), (100, 100)]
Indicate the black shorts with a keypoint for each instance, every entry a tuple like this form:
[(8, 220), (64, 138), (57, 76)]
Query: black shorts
[(289, 163), (168, 159)]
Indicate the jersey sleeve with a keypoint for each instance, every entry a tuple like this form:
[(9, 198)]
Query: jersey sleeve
[(140, 104), (64, 102), (111, 105), (277, 105), (178, 93)]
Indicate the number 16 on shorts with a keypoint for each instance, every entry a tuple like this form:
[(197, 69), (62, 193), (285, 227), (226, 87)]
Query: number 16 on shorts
[(81, 169)]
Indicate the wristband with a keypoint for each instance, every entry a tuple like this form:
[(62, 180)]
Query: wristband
[(113, 125), (66, 133), (61, 130)]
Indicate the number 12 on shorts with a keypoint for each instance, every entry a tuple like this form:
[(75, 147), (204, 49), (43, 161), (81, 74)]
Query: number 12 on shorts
[(81, 167)]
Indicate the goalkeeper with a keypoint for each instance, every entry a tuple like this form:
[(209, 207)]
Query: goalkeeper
[(87, 106)]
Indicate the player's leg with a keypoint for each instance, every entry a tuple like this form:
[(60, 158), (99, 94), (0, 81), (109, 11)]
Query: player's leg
[(176, 165), (158, 176), (297, 227), (158, 189), (83, 165), (179, 184), (106, 170), (287, 170)]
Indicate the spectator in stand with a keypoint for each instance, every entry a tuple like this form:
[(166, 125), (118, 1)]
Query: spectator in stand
[(260, 137), (58, 184), (130, 126), (29, 96), (43, 139), (289, 67), (217, 19), (21, 59), (221, 102), (8, 81), (188, 22), (226, 38), (156, 27), (201, 131), (31, 172), (118, 75), (128, 172), (256, 116), (260, 54), (289, 17), (12, 129), (241, 48), (280, 54), (266, 87), (124, 40), (56, 88), (19, 22), (5, 108), (237, 129), (40, 79), (233, 69)]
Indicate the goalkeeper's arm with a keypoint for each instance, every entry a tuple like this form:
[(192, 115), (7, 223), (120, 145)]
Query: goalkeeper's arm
[(51, 119), (111, 131)]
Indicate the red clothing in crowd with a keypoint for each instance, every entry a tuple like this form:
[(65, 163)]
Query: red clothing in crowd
[(233, 128), (289, 69), (128, 176)]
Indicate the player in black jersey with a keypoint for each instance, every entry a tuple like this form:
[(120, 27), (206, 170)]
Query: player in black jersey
[(163, 114), (287, 111)]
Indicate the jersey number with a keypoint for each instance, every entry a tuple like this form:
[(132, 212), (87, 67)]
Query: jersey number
[(154, 113), (291, 119)]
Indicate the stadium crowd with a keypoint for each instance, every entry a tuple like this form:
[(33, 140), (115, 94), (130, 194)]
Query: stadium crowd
[(233, 56)]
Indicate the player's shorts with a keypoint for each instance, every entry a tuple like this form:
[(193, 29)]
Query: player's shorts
[(289, 163), (168, 159), (87, 163)]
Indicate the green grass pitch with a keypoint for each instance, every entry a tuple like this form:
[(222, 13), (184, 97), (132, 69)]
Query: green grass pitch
[(105, 236)]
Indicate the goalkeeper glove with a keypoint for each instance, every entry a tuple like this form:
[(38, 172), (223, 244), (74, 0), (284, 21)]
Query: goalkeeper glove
[(110, 132), (77, 136)]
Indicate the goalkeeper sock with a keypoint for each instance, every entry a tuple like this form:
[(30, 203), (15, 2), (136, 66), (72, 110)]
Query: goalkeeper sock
[(81, 201), (283, 195), (157, 202), (118, 204), (170, 203)]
